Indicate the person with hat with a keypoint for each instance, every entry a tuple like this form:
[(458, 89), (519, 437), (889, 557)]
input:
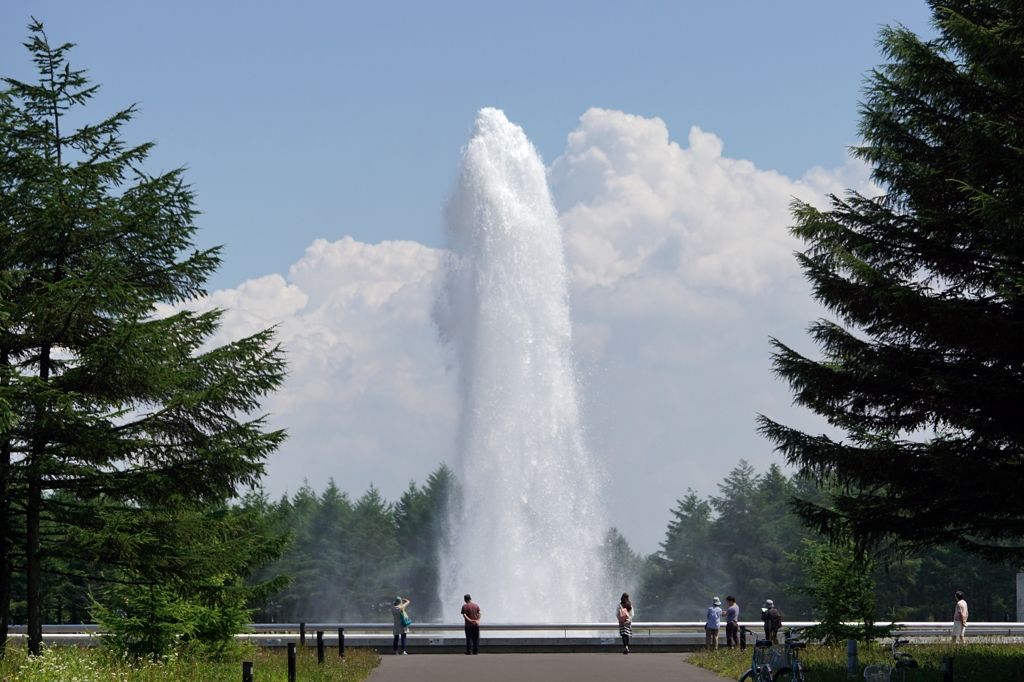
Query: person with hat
[(772, 618), (713, 624), (402, 622)]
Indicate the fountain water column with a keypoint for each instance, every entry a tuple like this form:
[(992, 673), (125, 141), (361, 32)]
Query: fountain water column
[(525, 539)]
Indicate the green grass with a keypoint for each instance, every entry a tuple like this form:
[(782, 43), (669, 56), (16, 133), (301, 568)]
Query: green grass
[(81, 664), (972, 662)]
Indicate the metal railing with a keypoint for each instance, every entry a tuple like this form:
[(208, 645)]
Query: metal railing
[(292, 631), (916, 628)]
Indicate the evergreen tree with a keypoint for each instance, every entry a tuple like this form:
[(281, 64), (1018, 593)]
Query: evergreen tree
[(112, 402), (757, 533), (742, 542), (191, 592), (623, 567), (924, 372), (421, 515), (687, 572), (374, 556), (842, 586), (746, 541), (349, 560), (344, 558), (921, 588)]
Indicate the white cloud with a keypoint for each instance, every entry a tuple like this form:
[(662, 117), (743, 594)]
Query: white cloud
[(682, 259), (634, 202), (367, 398), (681, 266)]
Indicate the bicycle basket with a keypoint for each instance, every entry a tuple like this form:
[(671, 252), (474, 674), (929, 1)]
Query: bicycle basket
[(774, 656), (877, 673)]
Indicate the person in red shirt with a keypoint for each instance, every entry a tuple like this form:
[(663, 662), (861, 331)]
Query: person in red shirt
[(471, 614)]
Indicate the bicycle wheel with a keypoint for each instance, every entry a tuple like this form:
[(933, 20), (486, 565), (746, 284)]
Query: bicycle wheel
[(783, 675), (747, 676)]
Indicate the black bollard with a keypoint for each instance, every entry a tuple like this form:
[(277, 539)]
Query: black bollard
[(302, 635), (341, 642), (291, 661), (947, 669), (247, 671), (320, 647), (852, 661)]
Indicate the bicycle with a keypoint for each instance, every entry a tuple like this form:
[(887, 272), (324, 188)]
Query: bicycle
[(760, 664), (794, 668), (883, 672)]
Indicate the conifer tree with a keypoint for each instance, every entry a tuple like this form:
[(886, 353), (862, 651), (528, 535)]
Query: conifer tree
[(842, 586), (111, 402), (923, 371), (421, 519)]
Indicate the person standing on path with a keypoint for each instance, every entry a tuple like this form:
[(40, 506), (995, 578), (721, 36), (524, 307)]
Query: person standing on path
[(959, 618), (402, 621), (624, 614), (471, 614), (772, 618), (732, 622), (713, 625)]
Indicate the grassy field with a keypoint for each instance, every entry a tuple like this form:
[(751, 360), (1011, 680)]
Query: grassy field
[(973, 662), (79, 664)]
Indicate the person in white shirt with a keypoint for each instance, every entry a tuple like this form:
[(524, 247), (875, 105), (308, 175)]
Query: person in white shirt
[(713, 624), (959, 618)]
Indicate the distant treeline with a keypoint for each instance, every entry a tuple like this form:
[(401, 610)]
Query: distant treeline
[(743, 542), (349, 558)]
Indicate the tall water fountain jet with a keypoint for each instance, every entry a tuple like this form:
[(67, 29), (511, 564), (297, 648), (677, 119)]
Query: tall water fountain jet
[(526, 535)]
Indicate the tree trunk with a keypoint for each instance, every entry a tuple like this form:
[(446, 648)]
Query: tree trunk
[(33, 511), (5, 542), (5, 525), (5, 552), (34, 569)]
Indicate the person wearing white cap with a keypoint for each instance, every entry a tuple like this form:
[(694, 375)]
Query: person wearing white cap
[(772, 618), (713, 624)]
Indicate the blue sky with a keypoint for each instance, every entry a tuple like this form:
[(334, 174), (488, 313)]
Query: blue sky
[(323, 140), (321, 119)]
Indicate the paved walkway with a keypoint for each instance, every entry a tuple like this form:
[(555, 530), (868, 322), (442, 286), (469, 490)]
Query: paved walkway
[(540, 668)]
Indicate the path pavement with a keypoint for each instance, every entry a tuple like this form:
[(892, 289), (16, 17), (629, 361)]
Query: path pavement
[(540, 668)]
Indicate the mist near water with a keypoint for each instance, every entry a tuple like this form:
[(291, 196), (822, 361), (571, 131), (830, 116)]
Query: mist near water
[(526, 532)]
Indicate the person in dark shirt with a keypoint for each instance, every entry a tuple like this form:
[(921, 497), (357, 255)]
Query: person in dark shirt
[(471, 614), (772, 618)]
